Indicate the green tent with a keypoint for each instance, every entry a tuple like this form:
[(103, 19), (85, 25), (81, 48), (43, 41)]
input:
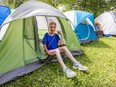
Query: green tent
[(20, 52)]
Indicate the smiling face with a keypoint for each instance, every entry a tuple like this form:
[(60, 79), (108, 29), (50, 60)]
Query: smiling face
[(52, 27)]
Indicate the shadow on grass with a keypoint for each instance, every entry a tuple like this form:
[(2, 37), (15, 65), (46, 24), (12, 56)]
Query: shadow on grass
[(49, 72), (97, 44), (83, 59)]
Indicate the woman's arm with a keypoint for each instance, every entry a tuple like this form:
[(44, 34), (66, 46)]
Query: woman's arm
[(45, 48), (61, 41)]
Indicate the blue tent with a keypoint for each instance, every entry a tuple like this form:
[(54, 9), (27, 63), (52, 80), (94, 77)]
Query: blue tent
[(4, 12), (83, 25)]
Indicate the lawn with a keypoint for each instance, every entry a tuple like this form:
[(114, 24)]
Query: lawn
[(100, 57)]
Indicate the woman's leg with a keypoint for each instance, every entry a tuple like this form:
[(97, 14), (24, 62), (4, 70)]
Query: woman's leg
[(67, 71), (76, 64), (67, 52), (58, 55)]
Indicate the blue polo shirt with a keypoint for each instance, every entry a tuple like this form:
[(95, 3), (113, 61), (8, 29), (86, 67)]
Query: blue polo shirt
[(47, 40)]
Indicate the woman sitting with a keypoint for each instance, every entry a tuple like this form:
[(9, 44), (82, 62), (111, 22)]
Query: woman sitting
[(51, 41)]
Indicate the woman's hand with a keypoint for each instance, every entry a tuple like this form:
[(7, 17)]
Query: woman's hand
[(59, 32), (61, 40), (47, 52)]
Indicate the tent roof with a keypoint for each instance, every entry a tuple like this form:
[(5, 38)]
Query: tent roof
[(106, 17), (106, 14), (80, 15), (34, 8), (108, 22)]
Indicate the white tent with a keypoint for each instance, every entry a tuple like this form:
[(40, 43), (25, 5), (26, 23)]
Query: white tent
[(108, 22)]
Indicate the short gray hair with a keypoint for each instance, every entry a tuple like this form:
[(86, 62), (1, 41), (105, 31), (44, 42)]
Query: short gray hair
[(52, 22)]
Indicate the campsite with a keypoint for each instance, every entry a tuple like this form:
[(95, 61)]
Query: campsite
[(89, 37)]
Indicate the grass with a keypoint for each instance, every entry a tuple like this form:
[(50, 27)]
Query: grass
[(100, 57)]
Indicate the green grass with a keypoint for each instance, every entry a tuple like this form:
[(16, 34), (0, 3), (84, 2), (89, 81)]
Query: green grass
[(100, 57)]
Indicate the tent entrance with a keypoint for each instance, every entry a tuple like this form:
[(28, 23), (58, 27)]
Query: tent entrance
[(85, 31), (32, 50), (43, 23)]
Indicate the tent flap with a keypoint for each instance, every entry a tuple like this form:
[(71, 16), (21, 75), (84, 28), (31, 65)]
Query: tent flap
[(11, 47)]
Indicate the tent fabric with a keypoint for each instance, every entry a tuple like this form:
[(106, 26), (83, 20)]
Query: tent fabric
[(108, 22), (11, 75), (4, 12), (83, 25), (72, 41), (8, 45), (81, 16), (19, 44)]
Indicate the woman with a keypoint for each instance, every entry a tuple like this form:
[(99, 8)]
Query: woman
[(51, 41)]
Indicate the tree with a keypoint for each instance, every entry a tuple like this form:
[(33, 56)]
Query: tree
[(56, 3), (13, 3), (112, 4), (95, 6), (51, 2)]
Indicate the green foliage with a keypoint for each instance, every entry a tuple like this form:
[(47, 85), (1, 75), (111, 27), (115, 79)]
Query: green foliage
[(100, 57), (95, 6), (51, 2), (112, 4), (13, 3)]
